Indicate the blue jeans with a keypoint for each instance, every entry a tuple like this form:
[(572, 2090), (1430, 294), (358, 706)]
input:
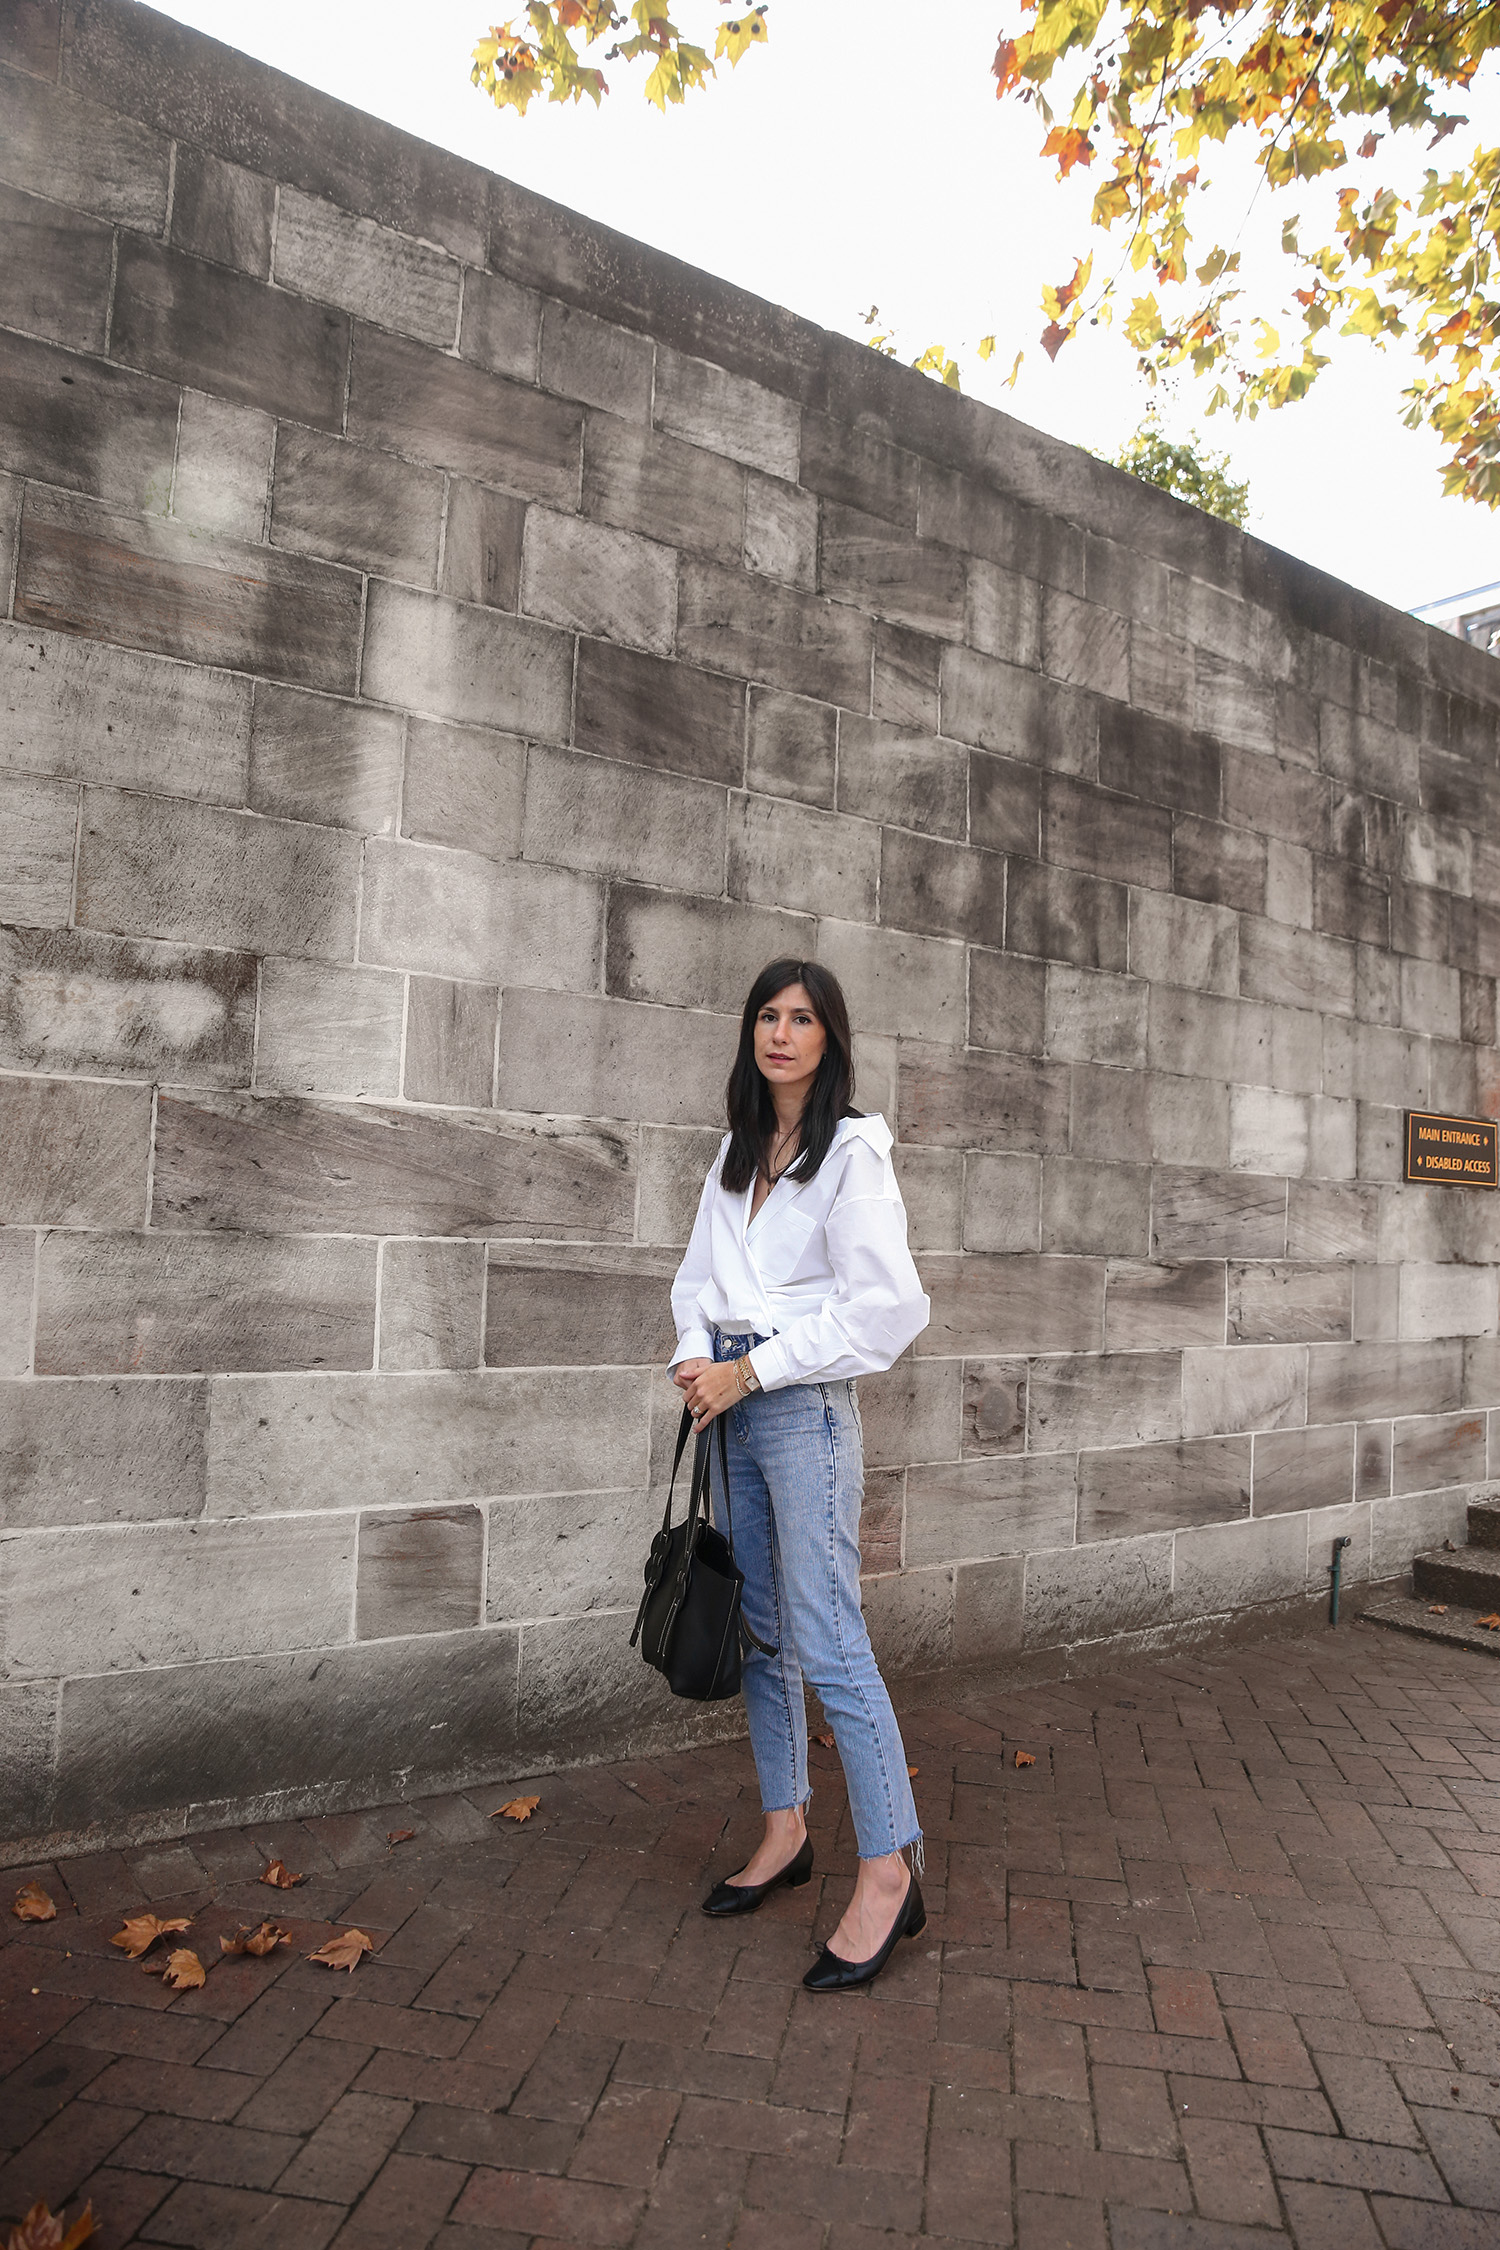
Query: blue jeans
[(796, 1480)]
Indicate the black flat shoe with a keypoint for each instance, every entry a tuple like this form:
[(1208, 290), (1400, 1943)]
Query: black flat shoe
[(743, 1898), (831, 1973)]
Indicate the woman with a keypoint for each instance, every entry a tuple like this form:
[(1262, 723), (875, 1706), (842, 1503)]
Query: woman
[(796, 1280)]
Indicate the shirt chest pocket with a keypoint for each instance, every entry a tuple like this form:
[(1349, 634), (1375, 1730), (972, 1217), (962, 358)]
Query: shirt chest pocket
[(785, 1244)]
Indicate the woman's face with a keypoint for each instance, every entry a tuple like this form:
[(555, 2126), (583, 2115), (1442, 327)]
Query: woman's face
[(789, 1041)]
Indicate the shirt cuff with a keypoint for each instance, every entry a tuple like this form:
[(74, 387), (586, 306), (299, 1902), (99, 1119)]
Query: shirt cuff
[(693, 1343), (769, 1362)]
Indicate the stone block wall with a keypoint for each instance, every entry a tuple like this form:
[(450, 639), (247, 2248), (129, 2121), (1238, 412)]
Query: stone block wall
[(446, 649)]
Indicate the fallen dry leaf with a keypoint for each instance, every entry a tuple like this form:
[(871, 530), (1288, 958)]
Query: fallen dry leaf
[(824, 1740), (1491, 1623), (400, 1835), (519, 1808), (264, 1938), (40, 2231), (279, 1876), (181, 1970), (141, 1932), (912, 1772), (343, 1951), (1438, 1609), (1024, 1758), (33, 1905)]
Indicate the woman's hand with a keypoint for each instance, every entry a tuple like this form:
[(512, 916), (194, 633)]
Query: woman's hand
[(709, 1386)]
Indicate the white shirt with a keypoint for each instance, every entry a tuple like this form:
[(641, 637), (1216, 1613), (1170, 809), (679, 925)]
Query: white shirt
[(822, 1269)]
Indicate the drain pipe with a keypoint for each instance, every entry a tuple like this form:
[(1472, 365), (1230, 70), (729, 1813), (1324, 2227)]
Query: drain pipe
[(1335, 1572)]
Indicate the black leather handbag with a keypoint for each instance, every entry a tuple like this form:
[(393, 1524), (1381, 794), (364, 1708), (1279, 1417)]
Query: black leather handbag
[(689, 1624)]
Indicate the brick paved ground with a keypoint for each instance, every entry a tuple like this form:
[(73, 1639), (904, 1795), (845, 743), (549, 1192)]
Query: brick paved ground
[(1222, 1969)]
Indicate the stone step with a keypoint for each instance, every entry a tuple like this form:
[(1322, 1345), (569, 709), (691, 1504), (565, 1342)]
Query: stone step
[(1484, 1523), (1459, 1628), (1469, 1576)]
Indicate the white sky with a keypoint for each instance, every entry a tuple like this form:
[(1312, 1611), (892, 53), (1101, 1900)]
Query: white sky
[(843, 166)]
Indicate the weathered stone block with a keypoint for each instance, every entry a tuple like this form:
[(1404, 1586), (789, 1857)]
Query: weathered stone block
[(984, 1306), (465, 787), (292, 1590), (1065, 916), (1225, 1569), (1216, 1215), (289, 1166), (71, 1001), (789, 855), (420, 1570), (326, 1030), (860, 467), (1082, 1594), (1410, 1525), (228, 334), (774, 634), (595, 361), (1135, 1489), (1233, 702), (450, 1042), (911, 1413), (904, 677), (1482, 1372), (434, 408), (1161, 674), (1356, 1382), (314, 758), (1163, 1308), (1007, 1002), (1148, 758), (55, 280), (988, 1605), (904, 986), (902, 775), (1274, 1303), (427, 1440), (1257, 1388), (431, 1304), (1224, 866), (78, 153), (551, 1306), (110, 433), (88, 712), (73, 1153), (665, 490), (1204, 1035), (1005, 805), (28, 1749), (453, 914), (1003, 614), (975, 1509), (946, 890), (1096, 1208), (568, 1056), (995, 1396), (1006, 708), (370, 270), (222, 212), (890, 573), (1350, 902), (482, 545), (1438, 1450), (1449, 1301), (224, 1733), (614, 819), (457, 660), (158, 867), (1376, 1303), (726, 414), (1086, 828), (1326, 1222), (781, 530), (222, 481), (158, 587), (592, 579), (637, 707), (38, 824), (1002, 1203), (982, 1101), (673, 1165), (791, 747), (677, 950), (1303, 1469), (17, 1289), (910, 1616), (92, 1453), (1092, 1018), (1279, 800), (1132, 1398), (500, 327), (29, 37), (1085, 646), (354, 504), (1372, 1460), (1289, 885), (568, 1554), (1268, 1132), (1295, 967), (931, 1181), (165, 1304), (582, 1683)]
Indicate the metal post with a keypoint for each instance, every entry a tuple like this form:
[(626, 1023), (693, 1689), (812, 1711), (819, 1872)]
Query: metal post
[(1335, 1572)]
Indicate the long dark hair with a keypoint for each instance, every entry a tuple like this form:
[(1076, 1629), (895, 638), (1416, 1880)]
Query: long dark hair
[(752, 1113)]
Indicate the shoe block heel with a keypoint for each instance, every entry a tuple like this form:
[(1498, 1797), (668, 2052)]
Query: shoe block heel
[(795, 1882)]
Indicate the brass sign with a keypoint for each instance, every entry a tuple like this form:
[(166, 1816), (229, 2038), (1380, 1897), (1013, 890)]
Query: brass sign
[(1463, 1151)]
